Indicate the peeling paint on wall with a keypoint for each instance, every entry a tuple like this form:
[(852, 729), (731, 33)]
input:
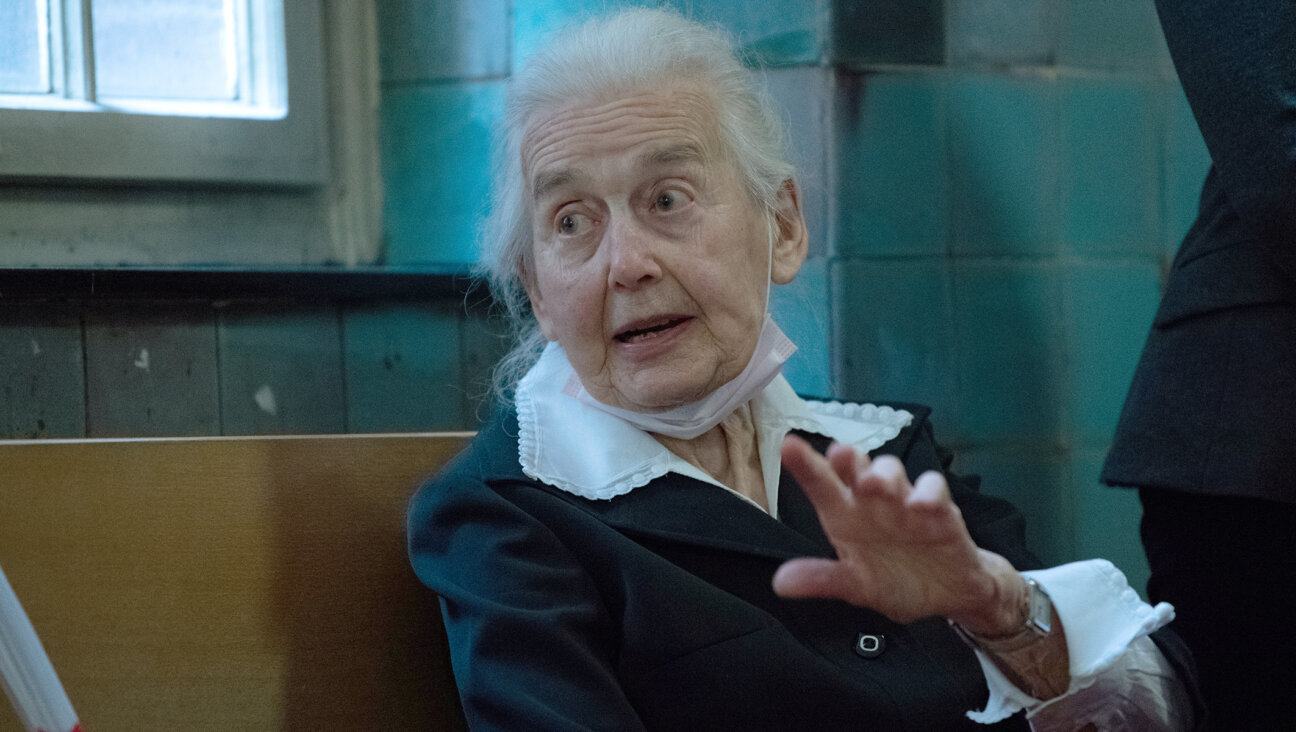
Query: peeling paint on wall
[(265, 399)]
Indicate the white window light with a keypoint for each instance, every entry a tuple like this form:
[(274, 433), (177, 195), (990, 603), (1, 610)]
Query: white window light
[(163, 90)]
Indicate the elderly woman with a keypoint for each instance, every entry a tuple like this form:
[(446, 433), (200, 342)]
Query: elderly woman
[(653, 531)]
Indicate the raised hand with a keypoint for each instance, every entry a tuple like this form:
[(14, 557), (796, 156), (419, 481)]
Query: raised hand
[(902, 549)]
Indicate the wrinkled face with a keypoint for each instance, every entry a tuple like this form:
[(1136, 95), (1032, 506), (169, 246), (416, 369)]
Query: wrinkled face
[(650, 259)]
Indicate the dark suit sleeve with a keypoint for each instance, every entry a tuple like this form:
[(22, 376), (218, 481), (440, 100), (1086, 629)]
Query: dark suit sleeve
[(1236, 60), (531, 643)]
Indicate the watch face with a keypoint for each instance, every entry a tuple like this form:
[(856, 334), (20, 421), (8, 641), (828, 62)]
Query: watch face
[(1041, 608)]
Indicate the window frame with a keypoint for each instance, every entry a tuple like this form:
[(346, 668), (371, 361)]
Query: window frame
[(136, 147)]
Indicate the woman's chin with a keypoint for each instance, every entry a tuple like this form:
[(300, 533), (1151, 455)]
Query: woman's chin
[(662, 395)]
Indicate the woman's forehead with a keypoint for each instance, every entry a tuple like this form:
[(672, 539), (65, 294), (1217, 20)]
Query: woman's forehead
[(672, 124)]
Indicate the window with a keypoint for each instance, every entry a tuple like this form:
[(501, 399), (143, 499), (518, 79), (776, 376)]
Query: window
[(197, 58), (223, 91)]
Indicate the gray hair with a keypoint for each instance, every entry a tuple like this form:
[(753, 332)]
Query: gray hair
[(625, 51)]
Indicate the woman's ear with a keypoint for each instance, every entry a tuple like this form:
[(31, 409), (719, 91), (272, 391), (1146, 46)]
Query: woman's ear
[(791, 240)]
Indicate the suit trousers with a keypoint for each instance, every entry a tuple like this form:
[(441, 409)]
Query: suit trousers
[(1228, 565)]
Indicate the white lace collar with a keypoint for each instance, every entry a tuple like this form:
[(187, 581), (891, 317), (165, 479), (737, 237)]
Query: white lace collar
[(593, 454)]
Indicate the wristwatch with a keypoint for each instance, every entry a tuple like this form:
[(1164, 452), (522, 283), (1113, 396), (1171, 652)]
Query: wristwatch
[(1036, 623)]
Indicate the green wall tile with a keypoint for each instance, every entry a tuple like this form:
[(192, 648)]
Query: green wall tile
[(1111, 166), (1111, 310), (888, 31), (1107, 520), (1037, 483), (421, 40), (1186, 162), (771, 34), (151, 369), (1111, 34), (535, 21), (894, 335), (892, 166), (402, 368), (801, 93), (802, 309), (436, 151), (1005, 178), (42, 376), (981, 32), (1009, 348), (281, 369)]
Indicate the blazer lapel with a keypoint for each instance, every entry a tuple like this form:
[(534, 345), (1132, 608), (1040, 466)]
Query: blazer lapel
[(798, 513), (681, 509)]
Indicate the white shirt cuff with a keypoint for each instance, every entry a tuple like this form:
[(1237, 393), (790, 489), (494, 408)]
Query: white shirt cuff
[(1101, 615)]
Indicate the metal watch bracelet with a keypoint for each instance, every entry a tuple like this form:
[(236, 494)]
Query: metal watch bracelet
[(1037, 616)]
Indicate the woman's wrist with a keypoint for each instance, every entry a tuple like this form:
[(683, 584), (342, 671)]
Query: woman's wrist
[(1005, 608), (1032, 651)]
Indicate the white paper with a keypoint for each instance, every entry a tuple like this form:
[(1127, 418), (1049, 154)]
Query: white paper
[(26, 672)]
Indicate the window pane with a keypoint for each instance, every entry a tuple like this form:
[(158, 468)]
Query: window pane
[(23, 61), (163, 49)]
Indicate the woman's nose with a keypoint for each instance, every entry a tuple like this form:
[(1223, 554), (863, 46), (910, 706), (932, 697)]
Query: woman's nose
[(632, 255)]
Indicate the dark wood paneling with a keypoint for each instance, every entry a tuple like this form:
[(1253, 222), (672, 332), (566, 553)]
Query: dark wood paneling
[(402, 367), (483, 341), (281, 369), (42, 373), (315, 284), (151, 369)]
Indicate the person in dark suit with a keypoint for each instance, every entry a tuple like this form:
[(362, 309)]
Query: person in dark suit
[(653, 531), (1208, 430)]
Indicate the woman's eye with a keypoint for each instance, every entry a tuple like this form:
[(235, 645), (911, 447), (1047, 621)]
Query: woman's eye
[(569, 224), (670, 200)]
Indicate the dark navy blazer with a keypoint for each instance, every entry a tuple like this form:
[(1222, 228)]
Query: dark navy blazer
[(1212, 406), (654, 610)]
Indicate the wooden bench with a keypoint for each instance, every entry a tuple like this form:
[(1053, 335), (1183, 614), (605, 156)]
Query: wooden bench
[(229, 583)]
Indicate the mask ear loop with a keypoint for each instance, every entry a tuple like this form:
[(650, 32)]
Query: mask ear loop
[(769, 268)]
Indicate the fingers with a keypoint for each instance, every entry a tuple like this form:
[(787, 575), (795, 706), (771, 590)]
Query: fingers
[(931, 507), (847, 470), (816, 476), (846, 462), (806, 577), (884, 478), (930, 490)]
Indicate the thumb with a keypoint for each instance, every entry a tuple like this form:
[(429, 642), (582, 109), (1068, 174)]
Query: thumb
[(807, 577)]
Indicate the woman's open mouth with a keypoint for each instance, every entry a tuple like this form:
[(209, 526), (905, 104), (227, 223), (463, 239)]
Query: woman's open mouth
[(636, 334)]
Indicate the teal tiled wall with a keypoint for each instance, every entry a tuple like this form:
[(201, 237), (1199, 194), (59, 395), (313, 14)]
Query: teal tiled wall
[(895, 332), (436, 167), (993, 189), (1029, 187), (1003, 149), (1110, 163), (891, 164)]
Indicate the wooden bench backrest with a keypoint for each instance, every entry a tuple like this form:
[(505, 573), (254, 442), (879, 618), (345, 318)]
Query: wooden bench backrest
[(229, 583)]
